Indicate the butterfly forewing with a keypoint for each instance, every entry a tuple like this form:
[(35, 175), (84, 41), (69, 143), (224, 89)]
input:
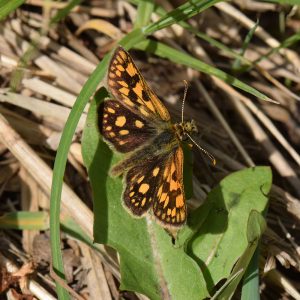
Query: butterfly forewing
[(128, 86), (125, 130)]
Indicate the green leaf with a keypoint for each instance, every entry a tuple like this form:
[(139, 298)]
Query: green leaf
[(150, 264), (218, 231), (255, 227)]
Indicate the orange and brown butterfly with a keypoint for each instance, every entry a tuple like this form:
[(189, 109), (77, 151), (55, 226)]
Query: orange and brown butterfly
[(137, 124)]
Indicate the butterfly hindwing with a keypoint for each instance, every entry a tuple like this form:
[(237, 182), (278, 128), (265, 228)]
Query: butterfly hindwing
[(158, 182), (141, 183), (169, 206), (129, 87), (124, 129)]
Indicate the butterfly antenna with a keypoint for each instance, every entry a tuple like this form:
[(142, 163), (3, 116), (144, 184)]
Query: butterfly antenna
[(186, 86), (213, 160)]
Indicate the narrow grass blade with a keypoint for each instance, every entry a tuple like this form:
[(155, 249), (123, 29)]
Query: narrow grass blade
[(176, 56), (25, 220), (183, 12), (145, 9), (6, 7), (237, 63), (64, 12)]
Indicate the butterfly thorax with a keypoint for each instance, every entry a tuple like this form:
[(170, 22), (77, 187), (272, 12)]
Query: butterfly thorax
[(184, 129)]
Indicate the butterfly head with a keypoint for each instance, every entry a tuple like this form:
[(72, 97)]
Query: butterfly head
[(185, 129), (189, 127)]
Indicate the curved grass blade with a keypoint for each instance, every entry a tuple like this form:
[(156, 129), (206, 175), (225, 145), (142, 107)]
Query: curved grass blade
[(62, 153), (60, 164)]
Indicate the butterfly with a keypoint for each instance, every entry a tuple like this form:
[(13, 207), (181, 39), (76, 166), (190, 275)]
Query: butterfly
[(138, 124)]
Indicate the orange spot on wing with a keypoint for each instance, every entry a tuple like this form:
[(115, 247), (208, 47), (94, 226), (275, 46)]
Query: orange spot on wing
[(179, 200), (173, 214), (120, 121), (166, 201), (111, 110), (124, 91), (119, 59), (173, 185), (139, 124), (120, 68), (123, 54), (131, 70), (140, 179), (124, 132), (144, 201), (123, 83), (127, 101), (138, 89), (155, 171), (159, 191), (144, 188)]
